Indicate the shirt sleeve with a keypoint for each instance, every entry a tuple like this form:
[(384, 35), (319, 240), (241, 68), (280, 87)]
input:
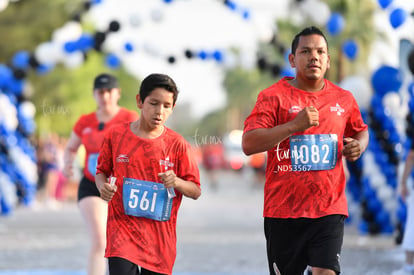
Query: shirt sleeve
[(79, 126), (105, 164), (262, 115), (188, 168), (355, 123)]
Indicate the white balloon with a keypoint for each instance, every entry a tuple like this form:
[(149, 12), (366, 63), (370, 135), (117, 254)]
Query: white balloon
[(73, 60), (392, 101), (8, 191), (49, 53), (71, 31), (3, 4), (323, 13), (360, 88), (297, 18), (135, 20), (384, 193), (230, 60), (8, 113), (151, 49), (28, 109), (157, 15), (42, 53)]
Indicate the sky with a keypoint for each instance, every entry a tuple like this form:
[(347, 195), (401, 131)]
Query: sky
[(158, 30)]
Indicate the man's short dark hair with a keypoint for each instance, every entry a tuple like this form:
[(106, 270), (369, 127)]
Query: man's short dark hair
[(307, 31)]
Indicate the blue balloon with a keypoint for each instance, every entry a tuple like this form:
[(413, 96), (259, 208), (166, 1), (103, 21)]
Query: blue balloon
[(386, 79), (218, 56), (398, 17), (231, 5), (376, 101), (363, 227), (382, 217), (112, 61), (129, 47), (374, 205), (246, 14), (5, 207), (16, 86), (387, 228), (384, 3), (203, 55), (70, 47), (411, 89), (350, 49), (402, 212), (21, 60), (336, 24), (85, 42), (43, 69), (5, 75), (288, 71)]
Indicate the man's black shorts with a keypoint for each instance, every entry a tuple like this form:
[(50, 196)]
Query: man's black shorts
[(122, 266), (292, 244)]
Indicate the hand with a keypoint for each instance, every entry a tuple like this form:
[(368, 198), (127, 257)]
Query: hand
[(168, 178), (404, 192), (68, 170), (108, 191), (306, 118), (352, 149)]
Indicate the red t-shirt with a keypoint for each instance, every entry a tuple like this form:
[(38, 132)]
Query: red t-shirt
[(311, 194), (87, 128), (145, 242)]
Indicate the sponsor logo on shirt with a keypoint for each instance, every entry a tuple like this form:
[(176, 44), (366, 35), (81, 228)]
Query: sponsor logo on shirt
[(86, 131), (295, 109), (122, 158), (338, 109), (166, 163)]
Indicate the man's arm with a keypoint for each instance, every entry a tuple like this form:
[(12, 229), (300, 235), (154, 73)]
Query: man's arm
[(264, 139), (355, 146)]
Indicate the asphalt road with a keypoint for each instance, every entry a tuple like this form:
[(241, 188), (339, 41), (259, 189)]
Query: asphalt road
[(220, 233)]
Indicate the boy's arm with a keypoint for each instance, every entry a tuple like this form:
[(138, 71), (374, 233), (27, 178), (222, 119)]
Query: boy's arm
[(105, 188), (187, 188)]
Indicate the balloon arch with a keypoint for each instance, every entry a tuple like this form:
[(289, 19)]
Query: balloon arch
[(386, 101)]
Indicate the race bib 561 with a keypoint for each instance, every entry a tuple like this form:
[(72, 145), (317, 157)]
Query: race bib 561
[(146, 199)]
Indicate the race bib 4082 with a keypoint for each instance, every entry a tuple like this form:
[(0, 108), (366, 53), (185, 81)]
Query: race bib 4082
[(313, 152)]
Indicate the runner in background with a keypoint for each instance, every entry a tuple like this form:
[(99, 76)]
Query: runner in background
[(89, 131)]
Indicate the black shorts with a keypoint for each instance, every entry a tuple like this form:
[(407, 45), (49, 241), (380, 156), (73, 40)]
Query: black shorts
[(293, 244), (87, 188), (122, 266)]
